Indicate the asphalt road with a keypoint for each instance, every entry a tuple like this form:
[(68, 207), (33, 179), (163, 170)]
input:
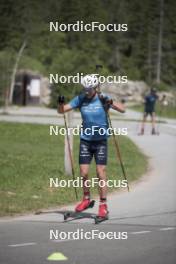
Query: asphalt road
[(147, 215)]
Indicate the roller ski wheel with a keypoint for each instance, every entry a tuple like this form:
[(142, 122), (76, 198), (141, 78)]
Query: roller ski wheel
[(67, 215), (99, 219)]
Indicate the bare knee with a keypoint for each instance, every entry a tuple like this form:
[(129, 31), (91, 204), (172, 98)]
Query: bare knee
[(84, 170), (101, 171)]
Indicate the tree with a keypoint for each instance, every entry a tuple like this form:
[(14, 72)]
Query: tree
[(160, 38)]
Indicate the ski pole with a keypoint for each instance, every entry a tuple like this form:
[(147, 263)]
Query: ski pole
[(118, 151), (116, 143), (159, 121), (140, 123), (70, 154)]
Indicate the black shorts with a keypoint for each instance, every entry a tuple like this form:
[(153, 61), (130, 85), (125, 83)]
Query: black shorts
[(88, 149), (151, 113)]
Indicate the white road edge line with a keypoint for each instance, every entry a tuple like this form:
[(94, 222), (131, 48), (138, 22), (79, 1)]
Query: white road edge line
[(23, 244), (167, 228), (67, 240), (64, 240), (140, 232)]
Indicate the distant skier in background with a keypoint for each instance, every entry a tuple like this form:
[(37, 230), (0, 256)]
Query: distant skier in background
[(149, 109), (163, 105), (164, 101)]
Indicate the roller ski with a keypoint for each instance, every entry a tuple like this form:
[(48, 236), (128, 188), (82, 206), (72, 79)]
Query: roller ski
[(78, 213), (85, 204)]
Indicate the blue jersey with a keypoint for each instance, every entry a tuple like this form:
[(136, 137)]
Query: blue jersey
[(95, 123), (150, 101)]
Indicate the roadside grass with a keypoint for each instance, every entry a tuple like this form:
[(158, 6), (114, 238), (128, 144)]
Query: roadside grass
[(168, 111), (29, 157)]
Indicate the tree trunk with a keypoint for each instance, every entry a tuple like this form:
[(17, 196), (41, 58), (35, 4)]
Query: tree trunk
[(14, 71), (149, 60), (160, 40)]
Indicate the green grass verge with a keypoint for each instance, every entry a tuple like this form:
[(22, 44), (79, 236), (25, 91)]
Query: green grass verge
[(29, 156), (162, 111)]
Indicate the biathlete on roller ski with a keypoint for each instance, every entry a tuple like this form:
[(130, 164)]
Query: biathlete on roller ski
[(93, 107), (149, 109)]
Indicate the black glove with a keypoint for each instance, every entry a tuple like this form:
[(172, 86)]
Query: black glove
[(106, 101), (61, 99), (109, 101)]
